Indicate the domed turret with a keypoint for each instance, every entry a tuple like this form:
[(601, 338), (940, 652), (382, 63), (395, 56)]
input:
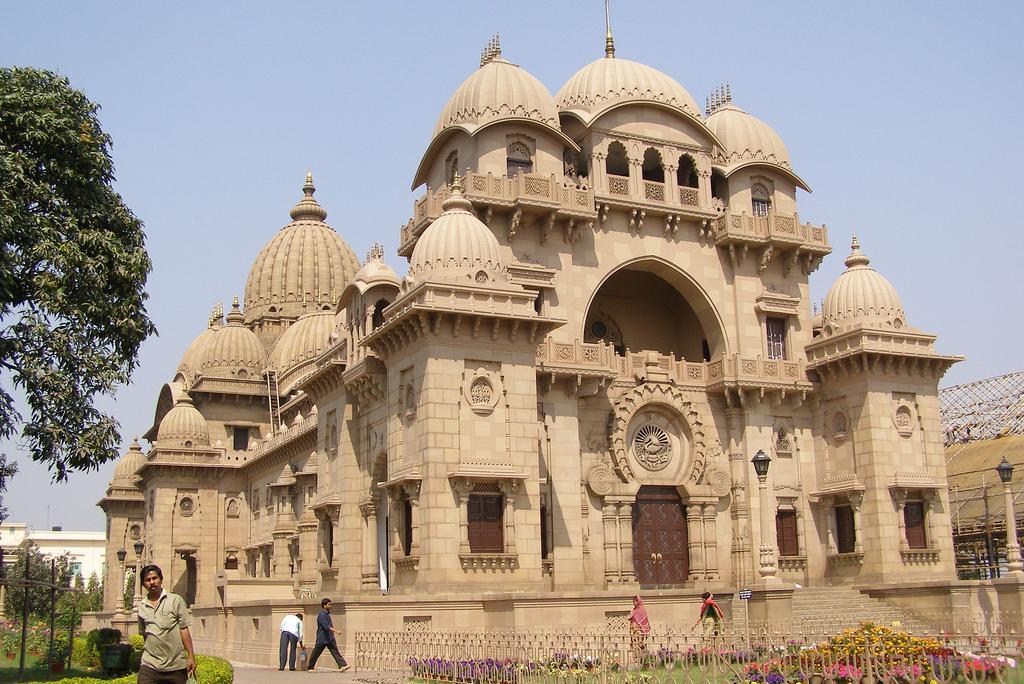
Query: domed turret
[(861, 296), (457, 245), (375, 271), (299, 346), (232, 351), (188, 367), (127, 466), (497, 91), (607, 83), (184, 426), (305, 264)]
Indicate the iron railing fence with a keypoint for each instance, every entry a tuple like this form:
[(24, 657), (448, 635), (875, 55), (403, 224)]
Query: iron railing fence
[(764, 654)]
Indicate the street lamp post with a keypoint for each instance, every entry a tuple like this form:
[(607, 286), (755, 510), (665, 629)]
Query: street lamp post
[(122, 553), (138, 546), (1014, 566), (767, 568)]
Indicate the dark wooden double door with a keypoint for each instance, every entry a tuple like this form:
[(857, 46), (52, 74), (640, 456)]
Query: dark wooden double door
[(660, 543)]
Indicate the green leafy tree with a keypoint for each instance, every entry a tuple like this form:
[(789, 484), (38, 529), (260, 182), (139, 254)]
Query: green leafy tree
[(71, 605), (73, 269), (7, 471), (39, 570)]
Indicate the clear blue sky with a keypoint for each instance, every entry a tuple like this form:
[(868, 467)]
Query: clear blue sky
[(904, 117)]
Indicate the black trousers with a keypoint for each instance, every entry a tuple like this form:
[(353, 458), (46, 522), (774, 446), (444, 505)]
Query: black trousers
[(289, 646), (148, 675), (319, 648)]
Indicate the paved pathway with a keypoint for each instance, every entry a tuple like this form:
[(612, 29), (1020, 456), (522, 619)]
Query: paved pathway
[(260, 674)]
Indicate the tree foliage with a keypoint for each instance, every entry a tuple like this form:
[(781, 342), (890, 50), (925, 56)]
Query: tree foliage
[(7, 471), (73, 269), (38, 570)]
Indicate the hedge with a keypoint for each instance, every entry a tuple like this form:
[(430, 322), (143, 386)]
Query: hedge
[(210, 670)]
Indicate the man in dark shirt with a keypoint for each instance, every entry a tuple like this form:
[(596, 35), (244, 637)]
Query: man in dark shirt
[(325, 638)]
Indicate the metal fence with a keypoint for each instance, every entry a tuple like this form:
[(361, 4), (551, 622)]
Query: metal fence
[(753, 654)]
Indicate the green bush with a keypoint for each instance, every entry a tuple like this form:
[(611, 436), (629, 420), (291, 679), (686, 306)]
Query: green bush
[(213, 670), (84, 654), (137, 641), (127, 679)]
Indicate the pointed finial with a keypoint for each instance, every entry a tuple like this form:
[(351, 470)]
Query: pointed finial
[(609, 42), (707, 107), (235, 317), (216, 314), (728, 93), (857, 257), (456, 199), (308, 208), (376, 252)]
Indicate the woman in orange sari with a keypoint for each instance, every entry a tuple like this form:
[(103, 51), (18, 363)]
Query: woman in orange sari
[(639, 625)]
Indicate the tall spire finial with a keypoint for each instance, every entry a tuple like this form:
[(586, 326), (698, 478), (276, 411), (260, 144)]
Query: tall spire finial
[(857, 257), (308, 208), (609, 42), (492, 51)]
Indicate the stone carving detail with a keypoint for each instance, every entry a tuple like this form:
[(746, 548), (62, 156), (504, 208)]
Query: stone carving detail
[(480, 392), (839, 425), (783, 441), (410, 402), (135, 531), (233, 508), (652, 447), (903, 418), (719, 481), (187, 506), (481, 277)]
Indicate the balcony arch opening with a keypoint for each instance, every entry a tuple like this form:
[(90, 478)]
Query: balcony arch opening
[(720, 186), (518, 159), (617, 163), (377, 319), (652, 169), (651, 305), (686, 174)]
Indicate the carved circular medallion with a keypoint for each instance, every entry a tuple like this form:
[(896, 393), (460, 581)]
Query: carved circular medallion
[(652, 447), (719, 481), (187, 505), (600, 480), (233, 508), (135, 531), (904, 420), (481, 392)]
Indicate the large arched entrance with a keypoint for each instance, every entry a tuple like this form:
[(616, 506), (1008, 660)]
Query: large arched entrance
[(660, 543), (651, 305)]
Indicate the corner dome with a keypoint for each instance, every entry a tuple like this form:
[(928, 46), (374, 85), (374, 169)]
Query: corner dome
[(861, 296), (609, 82), (498, 91), (306, 263), (375, 271), (188, 367), (456, 242), (183, 425), (302, 342), (128, 465), (232, 351)]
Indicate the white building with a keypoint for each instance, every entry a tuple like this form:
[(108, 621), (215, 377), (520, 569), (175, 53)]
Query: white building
[(86, 549)]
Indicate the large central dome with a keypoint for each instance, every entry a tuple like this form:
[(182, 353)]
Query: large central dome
[(306, 266)]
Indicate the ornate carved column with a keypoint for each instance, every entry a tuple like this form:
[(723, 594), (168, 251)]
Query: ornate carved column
[(856, 499), (597, 175), (710, 542), (739, 507), (611, 545), (671, 184), (636, 177), (899, 497), (931, 503), (695, 540), (509, 489), (370, 575), (627, 572), (412, 490), (462, 489), (335, 514)]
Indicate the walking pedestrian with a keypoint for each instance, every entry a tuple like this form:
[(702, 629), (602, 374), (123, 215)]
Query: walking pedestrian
[(164, 619), (325, 637), (639, 625), (291, 640), (710, 615)]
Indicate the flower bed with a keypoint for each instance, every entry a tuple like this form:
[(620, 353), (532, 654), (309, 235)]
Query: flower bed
[(37, 643)]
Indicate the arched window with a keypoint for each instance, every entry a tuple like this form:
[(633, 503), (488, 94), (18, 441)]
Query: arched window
[(652, 168), (451, 166), (617, 163), (378, 313), (719, 186), (518, 160), (760, 199), (686, 175)]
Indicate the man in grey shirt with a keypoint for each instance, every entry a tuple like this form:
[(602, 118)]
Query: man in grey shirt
[(164, 619)]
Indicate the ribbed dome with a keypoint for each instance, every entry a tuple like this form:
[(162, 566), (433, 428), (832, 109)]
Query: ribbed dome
[(457, 240), (183, 425), (302, 342), (305, 264), (747, 138), (189, 364), (375, 270), (128, 465), (498, 90), (607, 82), (861, 296), (232, 351)]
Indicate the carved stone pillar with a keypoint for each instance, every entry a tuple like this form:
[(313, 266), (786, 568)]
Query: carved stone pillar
[(597, 171), (462, 490), (509, 489), (280, 555), (412, 490), (307, 550), (671, 185), (627, 572), (710, 542), (931, 504), (335, 516), (900, 499), (695, 540), (636, 178), (370, 575), (739, 506), (856, 499), (611, 544)]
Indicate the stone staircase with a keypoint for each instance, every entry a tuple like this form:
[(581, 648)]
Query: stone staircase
[(832, 609)]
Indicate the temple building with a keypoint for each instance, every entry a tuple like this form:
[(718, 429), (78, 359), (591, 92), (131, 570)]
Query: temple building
[(600, 374)]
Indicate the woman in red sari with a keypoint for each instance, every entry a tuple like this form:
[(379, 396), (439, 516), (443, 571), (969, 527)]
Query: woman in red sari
[(639, 624)]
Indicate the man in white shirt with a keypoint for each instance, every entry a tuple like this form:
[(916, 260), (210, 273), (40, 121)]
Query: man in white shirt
[(291, 637)]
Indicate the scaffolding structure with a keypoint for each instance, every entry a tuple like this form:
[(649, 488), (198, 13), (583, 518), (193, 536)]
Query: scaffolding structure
[(983, 422)]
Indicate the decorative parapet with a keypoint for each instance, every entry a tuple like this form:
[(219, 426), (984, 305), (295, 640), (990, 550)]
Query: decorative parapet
[(489, 561), (919, 556), (733, 372), (580, 359), (547, 196), (839, 559), (792, 563), (916, 480), (286, 435), (774, 235), (836, 482)]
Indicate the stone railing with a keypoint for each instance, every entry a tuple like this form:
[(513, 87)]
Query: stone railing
[(588, 359), (544, 192), (734, 370), (618, 185), (780, 228), (654, 191), (689, 197), (286, 434)]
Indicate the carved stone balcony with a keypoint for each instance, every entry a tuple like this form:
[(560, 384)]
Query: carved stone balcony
[(772, 236), (532, 199), (579, 360), (666, 203)]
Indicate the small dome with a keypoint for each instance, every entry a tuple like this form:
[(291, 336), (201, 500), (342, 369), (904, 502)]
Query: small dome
[(497, 91), (128, 465), (306, 263), (861, 296), (233, 351), (747, 138), (302, 342), (456, 240), (183, 425), (375, 270), (608, 82), (189, 364)]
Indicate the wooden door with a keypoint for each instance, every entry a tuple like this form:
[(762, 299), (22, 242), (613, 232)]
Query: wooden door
[(660, 545), (913, 519)]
